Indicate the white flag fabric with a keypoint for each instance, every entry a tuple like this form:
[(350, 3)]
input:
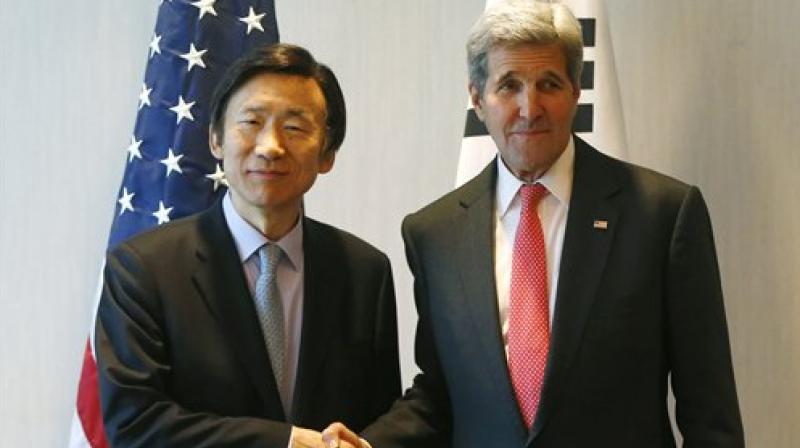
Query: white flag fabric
[(599, 118)]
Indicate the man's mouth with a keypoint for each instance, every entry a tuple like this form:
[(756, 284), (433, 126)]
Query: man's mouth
[(266, 173), (530, 131)]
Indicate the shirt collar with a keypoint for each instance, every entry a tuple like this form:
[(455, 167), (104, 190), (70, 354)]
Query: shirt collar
[(557, 179), (248, 239)]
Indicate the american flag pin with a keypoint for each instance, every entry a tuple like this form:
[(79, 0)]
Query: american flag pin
[(600, 224)]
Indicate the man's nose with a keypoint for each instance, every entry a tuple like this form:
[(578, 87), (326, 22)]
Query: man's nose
[(269, 143), (529, 104)]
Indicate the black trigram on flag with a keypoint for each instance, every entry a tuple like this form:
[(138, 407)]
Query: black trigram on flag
[(598, 119), (584, 115)]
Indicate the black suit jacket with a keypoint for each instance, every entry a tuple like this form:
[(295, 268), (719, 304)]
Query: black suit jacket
[(180, 355), (636, 302)]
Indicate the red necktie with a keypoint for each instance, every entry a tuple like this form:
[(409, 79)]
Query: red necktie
[(528, 322)]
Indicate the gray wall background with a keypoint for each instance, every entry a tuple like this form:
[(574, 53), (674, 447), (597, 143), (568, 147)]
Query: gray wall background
[(709, 92)]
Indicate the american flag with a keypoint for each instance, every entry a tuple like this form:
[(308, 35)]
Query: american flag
[(169, 170)]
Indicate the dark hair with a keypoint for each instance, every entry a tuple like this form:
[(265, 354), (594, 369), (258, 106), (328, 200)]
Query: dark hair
[(285, 59)]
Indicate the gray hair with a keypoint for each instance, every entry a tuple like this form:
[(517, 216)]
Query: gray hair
[(514, 22)]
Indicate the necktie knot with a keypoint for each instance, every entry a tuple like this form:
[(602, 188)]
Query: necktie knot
[(531, 194)]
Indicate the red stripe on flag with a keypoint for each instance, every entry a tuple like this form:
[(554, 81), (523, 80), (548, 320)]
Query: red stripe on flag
[(89, 402)]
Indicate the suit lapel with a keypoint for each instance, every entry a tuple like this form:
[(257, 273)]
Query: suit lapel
[(476, 252), (587, 241), (322, 284), (221, 282)]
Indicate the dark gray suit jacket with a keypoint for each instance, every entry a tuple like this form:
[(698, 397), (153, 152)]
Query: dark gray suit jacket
[(636, 302), (180, 355)]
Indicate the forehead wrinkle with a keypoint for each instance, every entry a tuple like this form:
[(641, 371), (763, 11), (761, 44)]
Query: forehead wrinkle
[(516, 59)]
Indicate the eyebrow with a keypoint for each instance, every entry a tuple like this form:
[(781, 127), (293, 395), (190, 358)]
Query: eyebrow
[(550, 74), (555, 75), (292, 112), (506, 76)]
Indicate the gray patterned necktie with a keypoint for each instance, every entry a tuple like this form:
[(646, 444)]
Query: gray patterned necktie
[(270, 311)]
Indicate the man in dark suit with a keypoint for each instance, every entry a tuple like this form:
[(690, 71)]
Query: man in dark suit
[(560, 289), (250, 324)]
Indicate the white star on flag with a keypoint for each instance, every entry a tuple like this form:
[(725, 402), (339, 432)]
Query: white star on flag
[(125, 201), (205, 6), (194, 57), (133, 149), (253, 20), (172, 162), (155, 46), (144, 96), (162, 214), (183, 109), (218, 176)]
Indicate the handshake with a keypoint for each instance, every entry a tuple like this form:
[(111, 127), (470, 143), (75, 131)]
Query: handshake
[(336, 435)]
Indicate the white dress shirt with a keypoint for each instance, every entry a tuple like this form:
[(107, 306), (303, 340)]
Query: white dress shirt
[(552, 212), (290, 284)]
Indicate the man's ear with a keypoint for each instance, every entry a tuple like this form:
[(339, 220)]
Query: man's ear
[(214, 143), (476, 100), (576, 92), (326, 161)]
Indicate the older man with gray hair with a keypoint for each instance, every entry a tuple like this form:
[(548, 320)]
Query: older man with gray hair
[(560, 289)]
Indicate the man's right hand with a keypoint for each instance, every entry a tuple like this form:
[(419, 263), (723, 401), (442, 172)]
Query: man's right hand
[(308, 438), (337, 435)]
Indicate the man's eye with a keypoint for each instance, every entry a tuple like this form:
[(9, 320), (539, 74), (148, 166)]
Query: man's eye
[(550, 85), (507, 86), (294, 128)]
